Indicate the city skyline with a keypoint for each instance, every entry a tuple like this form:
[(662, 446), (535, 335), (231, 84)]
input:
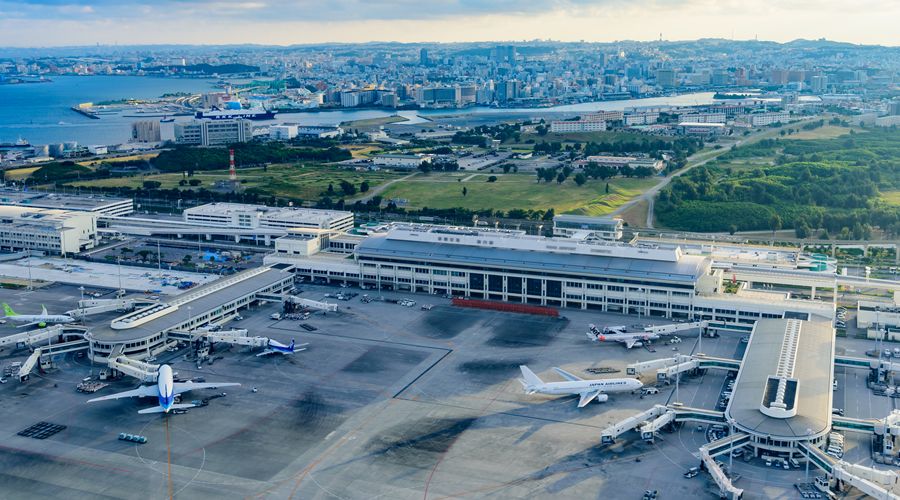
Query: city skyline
[(72, 23)]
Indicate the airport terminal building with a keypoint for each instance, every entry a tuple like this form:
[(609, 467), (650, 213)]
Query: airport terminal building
[(511, 266)]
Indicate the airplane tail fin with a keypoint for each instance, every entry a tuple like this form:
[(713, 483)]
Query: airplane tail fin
[(160, 409), (43, 309), (291, 347), (8, 310), (529, 376)]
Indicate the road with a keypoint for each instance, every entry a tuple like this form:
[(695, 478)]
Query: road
[(379, 189)]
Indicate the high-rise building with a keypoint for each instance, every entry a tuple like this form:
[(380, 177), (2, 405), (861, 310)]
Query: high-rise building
[(504, 54), (213, 132), (818, 83), (665, 77), (894, 108), (145, 131), (423, 57)]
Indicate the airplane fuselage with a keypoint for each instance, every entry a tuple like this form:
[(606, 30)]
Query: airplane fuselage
[(40, 318), (165, 385), (578, 387)]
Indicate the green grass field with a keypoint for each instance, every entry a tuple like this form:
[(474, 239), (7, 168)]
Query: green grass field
[(607, 136), (306, 183), (515, 191), (891, 197)]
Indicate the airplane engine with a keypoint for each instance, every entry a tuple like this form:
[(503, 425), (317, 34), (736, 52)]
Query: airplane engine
[(601, 398)]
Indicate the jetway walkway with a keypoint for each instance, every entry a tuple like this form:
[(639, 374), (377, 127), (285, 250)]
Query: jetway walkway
[(649, 430), (652, 420), (99, 306), (703, 416), (727, 444), (39, 336), (145, 372), (49, 350), (609, 435), (667, 368), (726, 488), (313, 304), (873, 482)]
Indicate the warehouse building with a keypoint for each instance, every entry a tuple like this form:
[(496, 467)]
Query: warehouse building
[(97, 204), (239, 215), (58, 232)]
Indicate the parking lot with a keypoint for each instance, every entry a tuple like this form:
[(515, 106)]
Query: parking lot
[(389, 401)]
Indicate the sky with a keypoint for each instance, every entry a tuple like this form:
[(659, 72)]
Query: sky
[(43, 23)]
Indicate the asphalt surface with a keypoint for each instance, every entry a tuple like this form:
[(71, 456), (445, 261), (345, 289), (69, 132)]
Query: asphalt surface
[(388, 402)]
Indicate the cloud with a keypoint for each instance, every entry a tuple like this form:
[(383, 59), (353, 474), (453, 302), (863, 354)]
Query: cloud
[(68, 22)]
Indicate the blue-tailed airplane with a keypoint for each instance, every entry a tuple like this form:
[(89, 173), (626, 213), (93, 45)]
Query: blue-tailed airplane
[(165, 391), (275, 347)]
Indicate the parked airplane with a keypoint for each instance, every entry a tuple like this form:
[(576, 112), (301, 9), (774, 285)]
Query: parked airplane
[(619, 334), (165, 391), (276, 347), (40, 320), (587, 389)]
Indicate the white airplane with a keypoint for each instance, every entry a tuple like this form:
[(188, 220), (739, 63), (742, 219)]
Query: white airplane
[(41, 320), (619, 334), (165, 391), (276, 347), (587, 389)]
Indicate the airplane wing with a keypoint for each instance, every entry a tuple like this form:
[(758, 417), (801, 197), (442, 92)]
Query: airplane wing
[(629, 343), (141, 392), (26, 325), (587, 397), (180, 387), (566, 375), (265, 353)]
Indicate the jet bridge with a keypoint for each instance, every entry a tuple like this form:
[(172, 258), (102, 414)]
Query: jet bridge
[(39, 336), (99, 306), (667, 368), (726, 488), (649, 429), (609, 435), (873, 482), (145, 372), (236, 337)]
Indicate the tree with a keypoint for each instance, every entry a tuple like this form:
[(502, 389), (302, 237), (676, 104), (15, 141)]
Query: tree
[(330, 188), (186, 259), (607, 188), (774, 223), (580, 179), (195, 182), (348, 188), (492, 178), (364, 187), (143, 254), (152, 184), (732, 229), (465, 191), (548, 215), (560, 178)]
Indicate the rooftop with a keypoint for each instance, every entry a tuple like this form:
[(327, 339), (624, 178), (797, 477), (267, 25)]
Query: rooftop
[(788, 366), (686, 270), (58, 201)]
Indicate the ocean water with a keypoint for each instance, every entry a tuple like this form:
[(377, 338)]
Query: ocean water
[(41, 114)]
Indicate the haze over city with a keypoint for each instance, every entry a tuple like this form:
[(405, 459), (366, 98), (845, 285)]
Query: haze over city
[(41, 23)]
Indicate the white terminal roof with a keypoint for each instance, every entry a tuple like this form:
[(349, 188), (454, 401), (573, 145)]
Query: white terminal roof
[(789, 367), (59, 201), (307, 214)]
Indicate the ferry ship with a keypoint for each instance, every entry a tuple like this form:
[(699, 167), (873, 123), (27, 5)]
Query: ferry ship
[(228, 114)]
